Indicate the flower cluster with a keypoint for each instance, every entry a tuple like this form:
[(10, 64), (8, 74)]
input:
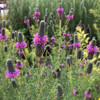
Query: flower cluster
[(20, 45), (40, 41), (36, 15)]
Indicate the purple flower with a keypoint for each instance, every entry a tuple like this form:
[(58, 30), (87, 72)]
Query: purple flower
[(36, 15), (41, 84), (76, 44), (63, 65), (60, 12), (3, 37), (1, 8), (40, 41), (20, 45), (12, 74), (87, 95), (70, 17), (63, 46), (53, 38), (26, 21), (69, 35), (20, 52), (28, 74), (70, 45), (31, 45), (65, 34), (19, 66), (80, 64), (0, 31), (74, 91), (92, 49)]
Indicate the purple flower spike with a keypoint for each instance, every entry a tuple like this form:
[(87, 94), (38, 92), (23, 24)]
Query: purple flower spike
[(92, 49), (63, 46), (60, 10), (3, 37), (20, 52), (70, 17), (12, 74), (65, 34), (20, 45), (19, 66), (28, 74), (26, 21), (76, 44), (41, 84), (53, 38), (87, 95), (40, 41), (70, 45), (63, 65), (74, 91), (37, 14)]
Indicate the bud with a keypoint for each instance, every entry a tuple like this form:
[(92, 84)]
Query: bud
[(68, 60), (25, 18), (42, 28), (45, 18), (37, 9), (93, 43), (0, 25), (89, 91), (71, 59), (3, 31), (59, 73), (98, 63), (15, 33), (18, 62), (20, 37), (80, 23), (71, 13), (10, 66), (75, 38), (51, 23), (79, 54), (3, 23), (12, 35), (60, 5), (54, 74), (14, 83), (5, 49), (89, 69), (59, 90)]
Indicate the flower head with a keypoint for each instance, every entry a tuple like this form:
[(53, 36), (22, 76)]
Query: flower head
[(41, 84), (53, 38), (20, 52), (76, 44), (87, 95), (19, 64), (3, 36), (40, 41), (70, 15), (26, 21), (36, 14), (20, 46)]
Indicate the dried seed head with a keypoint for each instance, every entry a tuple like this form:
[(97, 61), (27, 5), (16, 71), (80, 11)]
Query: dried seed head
[(71, 13), (5, 49), (59, 90), (14, 83), (45, 18), (71, 9), (25, 18), (15, 33), (79, 54), (93, 43), (68, 60), (71, 59), (42, 28), (98, 63), (59, 73), (39, 51), (89, 69), (3, 23), (75, 38), (80, 23), (90, 56), (37, 9), (89, 91), (3, 31), (54, 74), (10, 65), (18, 62), (52, 16), (60, 5), (20, 37)]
